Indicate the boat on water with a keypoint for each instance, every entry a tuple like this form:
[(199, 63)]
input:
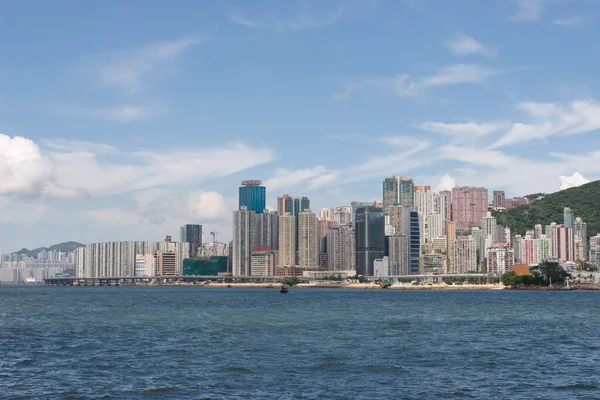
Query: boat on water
[(284, 289), (30, 280)]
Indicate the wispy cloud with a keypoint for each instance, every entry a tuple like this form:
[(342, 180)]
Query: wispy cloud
[(460, 73), (345, 93), (289, 20), (528, 10), (126, 70), (572, 22), (124, 113), (401, 85), (464, 45), (577, 117)]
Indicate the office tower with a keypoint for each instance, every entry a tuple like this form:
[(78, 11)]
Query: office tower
[(580, 238), (412, 231), (499, 199), (340, 248), (488, 227), (308, 242), (369, 237), (562, 243), (287, 240), (399, 254), (191, 234), (265, 229), (355, 205), (464, 256), (342, 215), (501, 258), (165, 263), (422, 189), (145, 265), (569, 217), (253, 196), (469, 206), (281, 201), (244, 238), (595, 251), (390, 192), (263, 263)]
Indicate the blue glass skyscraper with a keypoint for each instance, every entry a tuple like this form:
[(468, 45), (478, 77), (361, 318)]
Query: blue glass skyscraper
[(253, 196), (369, 238)]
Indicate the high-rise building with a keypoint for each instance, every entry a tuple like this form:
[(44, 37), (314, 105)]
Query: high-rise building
[(191, 234), (325, 214), (499, 199), (412, 229), (369, 237), (500, 259), (424, 201), (442, 204), (529, 250), (263, 263), (266, 230), (144, 265), (464, 256), (308, 242), (244, 239), (569, 217), (399, 254), (396, 217), (580, 238), (435, 226), (450, 238), (342, 215), (287, 240), (281, 201), (355, 205), (422, 188), (595, 251), (406, 191), (390, 192), (340, 248), (469, 206), (488, 227), (253, 196), (562, 243), (294, 206)]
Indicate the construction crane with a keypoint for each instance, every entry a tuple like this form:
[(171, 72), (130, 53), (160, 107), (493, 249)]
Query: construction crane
[(214, 235)]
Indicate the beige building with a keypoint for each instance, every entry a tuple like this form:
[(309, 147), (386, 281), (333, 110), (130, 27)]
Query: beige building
[(450, 239), (463, 256), (308, 239), (263, 263), (165, 262), (399, 255), (396, 216), (340, 249), (144, 265), (287, 240)]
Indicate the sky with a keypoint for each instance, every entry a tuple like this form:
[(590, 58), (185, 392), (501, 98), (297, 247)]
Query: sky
[(122, 120)]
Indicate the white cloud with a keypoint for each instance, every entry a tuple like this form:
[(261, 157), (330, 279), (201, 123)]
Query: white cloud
[(464, 45), (291, 20), (446, 182), (201, 205), (572, 22), (345, 93), (401, 85), (113, 217), (126, 70), (528, 10), (124, 114), (551, 119), (574, 180), (285, 178), (18, 211), (23, 168), (458, 74), (467, 129)]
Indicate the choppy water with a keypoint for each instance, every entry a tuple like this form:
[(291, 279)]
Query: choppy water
[(203, 343)]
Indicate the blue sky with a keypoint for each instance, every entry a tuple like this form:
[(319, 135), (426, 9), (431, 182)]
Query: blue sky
[(123, 119)]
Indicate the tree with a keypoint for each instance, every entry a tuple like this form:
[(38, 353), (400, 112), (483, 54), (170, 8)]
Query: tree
[(290, 281), (550, 272), (510, 278)]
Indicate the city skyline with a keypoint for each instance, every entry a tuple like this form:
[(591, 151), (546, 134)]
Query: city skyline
[(130, 132)]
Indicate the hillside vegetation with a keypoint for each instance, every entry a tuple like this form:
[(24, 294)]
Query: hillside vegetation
[(64, 247), (584, 200)]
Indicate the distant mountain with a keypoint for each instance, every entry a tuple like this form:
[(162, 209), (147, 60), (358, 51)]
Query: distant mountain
[(65, 247), (584, 200)]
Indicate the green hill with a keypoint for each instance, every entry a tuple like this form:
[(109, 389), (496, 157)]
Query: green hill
[(584, 200), (65, 247)]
